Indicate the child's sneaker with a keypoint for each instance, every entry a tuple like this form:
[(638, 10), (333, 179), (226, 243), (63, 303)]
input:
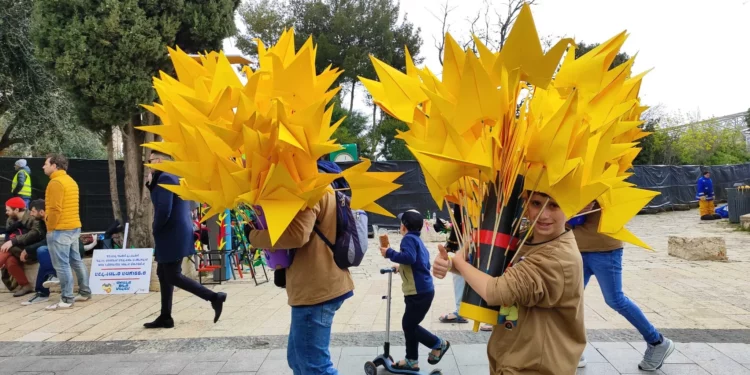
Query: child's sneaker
[(82, 298)]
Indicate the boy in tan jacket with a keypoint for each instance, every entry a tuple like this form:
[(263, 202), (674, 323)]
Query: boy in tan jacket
[(546, 283)]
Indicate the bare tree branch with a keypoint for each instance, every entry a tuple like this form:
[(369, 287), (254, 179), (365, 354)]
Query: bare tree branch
[(445, 27)]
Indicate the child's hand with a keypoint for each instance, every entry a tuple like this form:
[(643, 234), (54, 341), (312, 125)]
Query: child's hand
[(442, 263), (395, 268), (383, 251)]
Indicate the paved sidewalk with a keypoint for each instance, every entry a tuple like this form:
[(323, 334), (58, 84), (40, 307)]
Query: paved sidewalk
[(673, 293), (605, 358)]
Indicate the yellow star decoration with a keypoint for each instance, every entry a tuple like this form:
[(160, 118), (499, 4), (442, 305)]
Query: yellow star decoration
[(255, 143), (572, 133)]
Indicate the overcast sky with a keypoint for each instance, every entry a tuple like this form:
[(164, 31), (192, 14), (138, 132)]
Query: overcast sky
[(700, 50)]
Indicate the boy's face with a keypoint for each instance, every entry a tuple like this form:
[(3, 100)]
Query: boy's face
[(551, 222), (403, 229)]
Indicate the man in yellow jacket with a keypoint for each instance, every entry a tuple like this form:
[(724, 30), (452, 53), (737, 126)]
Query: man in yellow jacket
[(63, 229)]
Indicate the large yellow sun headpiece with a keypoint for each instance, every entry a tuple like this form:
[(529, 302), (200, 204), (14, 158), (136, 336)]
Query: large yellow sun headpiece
[(569, 129), (255, 143)]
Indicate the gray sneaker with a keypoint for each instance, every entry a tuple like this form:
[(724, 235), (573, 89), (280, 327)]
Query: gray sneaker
[(82, 298), (50, 282), (34, 300), (656, 354)]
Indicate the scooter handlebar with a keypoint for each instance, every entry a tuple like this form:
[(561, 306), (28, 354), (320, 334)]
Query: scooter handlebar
[(388, 270)]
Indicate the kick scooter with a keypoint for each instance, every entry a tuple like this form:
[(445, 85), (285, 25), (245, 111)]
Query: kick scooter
[(385, 359)]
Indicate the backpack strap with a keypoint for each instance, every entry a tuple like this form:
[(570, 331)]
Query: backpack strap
[(323, 237)]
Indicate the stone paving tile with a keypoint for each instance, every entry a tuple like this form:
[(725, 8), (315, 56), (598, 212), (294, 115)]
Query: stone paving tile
[(202, 368), (674, 293), (245, 360)]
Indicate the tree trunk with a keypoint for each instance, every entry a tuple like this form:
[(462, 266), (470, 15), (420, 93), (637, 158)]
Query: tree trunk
[(114, 193), (374, 113), (140, 212), (351, 98)]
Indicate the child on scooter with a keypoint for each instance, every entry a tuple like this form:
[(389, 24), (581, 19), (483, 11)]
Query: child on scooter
[(414, 261)]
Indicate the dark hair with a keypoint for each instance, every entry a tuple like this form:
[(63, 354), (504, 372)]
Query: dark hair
[(706, 171), (160, 154), (37, 204), (59, 160)]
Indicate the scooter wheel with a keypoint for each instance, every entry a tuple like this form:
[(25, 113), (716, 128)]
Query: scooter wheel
[(436, 372), (371, 369)]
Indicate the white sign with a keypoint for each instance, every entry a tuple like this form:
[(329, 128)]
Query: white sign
[(121, 271)]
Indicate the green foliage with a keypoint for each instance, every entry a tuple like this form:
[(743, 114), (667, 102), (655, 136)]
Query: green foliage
[(392, 148), (706, 143), (346, 32), (32, 106), (264, 20), (106, 52), (621, 57), (352, 130), (747, 118)]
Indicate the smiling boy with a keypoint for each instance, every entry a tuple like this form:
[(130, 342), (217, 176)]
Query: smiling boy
[(546, 283)]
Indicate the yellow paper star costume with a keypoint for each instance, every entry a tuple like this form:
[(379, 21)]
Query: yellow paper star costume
[(280, 120), (568, 129), (571, 133)]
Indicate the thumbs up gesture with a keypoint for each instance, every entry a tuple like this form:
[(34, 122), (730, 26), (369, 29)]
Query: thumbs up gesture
[(442, 263)]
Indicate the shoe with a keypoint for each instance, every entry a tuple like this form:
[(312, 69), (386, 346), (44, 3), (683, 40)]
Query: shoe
[(582, 362), (82, 298), (59, 306), (34, 300), (218, 305), (656, 354), (160, 323), (50, 282), (23, 290)]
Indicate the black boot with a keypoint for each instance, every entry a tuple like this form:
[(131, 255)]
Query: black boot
[(160, 323), (218, 305)]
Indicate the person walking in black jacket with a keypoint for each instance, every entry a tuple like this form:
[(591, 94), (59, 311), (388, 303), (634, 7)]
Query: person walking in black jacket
[(173, 235)]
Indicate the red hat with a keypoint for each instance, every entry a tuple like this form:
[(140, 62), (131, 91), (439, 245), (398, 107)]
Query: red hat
[(16, 202)]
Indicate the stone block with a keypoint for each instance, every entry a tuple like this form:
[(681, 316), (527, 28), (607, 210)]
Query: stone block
[(697, 248), (745, 221)]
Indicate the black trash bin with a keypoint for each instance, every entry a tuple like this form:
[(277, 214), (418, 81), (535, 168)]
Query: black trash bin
[(738, 202)]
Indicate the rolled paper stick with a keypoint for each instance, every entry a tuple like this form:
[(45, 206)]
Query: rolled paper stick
[(455, 228), (586, 213)]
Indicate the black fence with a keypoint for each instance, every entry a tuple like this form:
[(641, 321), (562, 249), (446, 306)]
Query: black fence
[(675, 183), (92, 177)]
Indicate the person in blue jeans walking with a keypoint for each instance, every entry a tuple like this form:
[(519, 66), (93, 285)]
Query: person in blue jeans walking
[(316, 288), (419, 291), (602, 257)]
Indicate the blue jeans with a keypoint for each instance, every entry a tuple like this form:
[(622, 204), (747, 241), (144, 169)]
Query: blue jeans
[(458, 290), (607, 267), (309, 338), (45, 270), (27, 200), (63, 249)]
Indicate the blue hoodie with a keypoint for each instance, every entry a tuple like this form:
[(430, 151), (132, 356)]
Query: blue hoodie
[(414, 266), (705, 188)]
